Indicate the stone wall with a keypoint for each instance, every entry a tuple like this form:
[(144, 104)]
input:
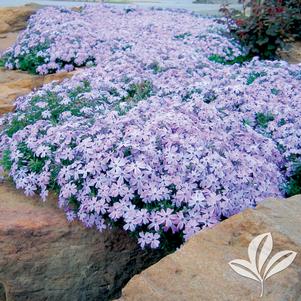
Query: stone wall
[(199, 271), (43, 257), (15, 18)]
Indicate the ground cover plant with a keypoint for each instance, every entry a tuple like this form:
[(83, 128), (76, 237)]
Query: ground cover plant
[(157, 138), (61, 39)]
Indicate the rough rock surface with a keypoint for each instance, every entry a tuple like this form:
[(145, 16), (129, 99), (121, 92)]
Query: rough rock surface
[(17, 83), (199, 270), (6, 40), (14, 18), (293, 54), (43, 257)]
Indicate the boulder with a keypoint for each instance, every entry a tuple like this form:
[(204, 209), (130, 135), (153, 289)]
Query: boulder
[(293, 54), (17, 83), (200, 271), (43, 257), (7, 40), (15, 18)]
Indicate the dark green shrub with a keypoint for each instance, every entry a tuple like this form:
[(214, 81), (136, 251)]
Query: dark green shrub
[(267, 27)]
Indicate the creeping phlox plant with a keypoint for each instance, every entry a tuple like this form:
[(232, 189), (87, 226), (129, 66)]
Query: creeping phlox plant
[(61, 39), (163, 141)]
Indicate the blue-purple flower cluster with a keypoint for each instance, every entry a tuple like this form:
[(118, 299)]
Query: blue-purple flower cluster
[(61, 39), (156, 138)]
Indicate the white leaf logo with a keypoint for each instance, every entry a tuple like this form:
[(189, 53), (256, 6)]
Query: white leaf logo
[(253, 268)]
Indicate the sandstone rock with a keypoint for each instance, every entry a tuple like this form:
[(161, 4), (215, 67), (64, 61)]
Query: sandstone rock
[(7, 40), (199, 270), (17, 83), (43, 257), (6, 108), (15, 18), (293, 54)]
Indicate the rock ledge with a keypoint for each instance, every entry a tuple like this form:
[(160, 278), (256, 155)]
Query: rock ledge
[(199, 270), (43, 257)]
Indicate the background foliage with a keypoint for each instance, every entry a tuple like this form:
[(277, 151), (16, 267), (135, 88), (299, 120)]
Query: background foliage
[(265, 26)]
